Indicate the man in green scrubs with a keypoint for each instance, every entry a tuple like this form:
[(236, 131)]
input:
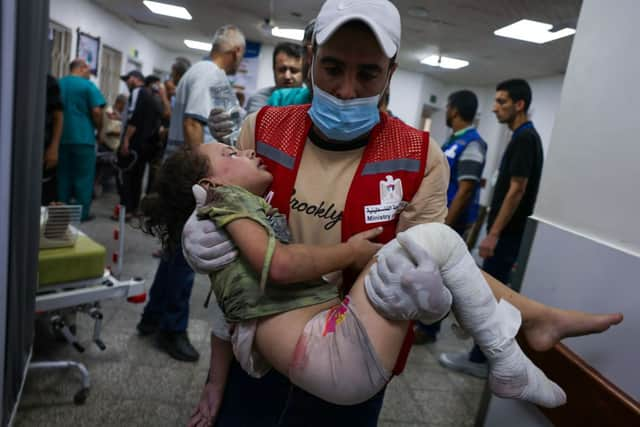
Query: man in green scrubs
[(83, 104)]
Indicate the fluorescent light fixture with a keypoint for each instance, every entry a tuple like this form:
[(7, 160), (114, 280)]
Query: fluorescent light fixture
[(168, 10), (533, 31), (288, 33), (193, 44), (445, 62)]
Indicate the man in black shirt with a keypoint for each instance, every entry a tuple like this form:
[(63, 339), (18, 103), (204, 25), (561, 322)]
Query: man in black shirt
[(140, 132), (52, 133), (518, 180), (513, 200)]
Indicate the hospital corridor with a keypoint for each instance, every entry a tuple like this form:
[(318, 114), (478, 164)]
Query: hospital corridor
[(311, 213)]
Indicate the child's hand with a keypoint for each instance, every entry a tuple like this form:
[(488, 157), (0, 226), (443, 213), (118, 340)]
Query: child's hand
[(363, 247), (206, 412)]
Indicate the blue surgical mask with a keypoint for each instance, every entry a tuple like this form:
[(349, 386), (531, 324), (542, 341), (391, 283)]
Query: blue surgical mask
[(343, 119)]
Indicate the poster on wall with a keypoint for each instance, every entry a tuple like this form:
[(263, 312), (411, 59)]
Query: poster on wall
[(246, 78), (88, 48)]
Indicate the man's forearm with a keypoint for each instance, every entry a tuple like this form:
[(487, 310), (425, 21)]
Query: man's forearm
[(193, 132), (508, 208), (96, 117), (131, 130), (56, 134), (459, 203)]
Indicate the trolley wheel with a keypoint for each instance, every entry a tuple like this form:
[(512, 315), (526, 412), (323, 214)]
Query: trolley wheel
[(81, 396)]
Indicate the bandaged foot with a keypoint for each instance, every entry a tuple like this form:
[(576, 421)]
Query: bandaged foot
[(493, 325)]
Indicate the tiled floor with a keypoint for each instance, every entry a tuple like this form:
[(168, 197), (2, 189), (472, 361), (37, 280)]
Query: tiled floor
[(134, 384)]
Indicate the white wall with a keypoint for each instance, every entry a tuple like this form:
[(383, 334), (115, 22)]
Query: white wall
[(590, 180), (265, 67), (406, 96), (586, 251), (113, 32)]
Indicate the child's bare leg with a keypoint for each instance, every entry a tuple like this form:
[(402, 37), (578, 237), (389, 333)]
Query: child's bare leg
[(492, 325), (385, 335), (277, 336), (544, 326)]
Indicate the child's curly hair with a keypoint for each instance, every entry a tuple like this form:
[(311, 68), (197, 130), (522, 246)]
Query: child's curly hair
[(167, 210)]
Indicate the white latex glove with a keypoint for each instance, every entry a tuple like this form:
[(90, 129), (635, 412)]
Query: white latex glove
[(407, 283), (204, 246), (220, 123)]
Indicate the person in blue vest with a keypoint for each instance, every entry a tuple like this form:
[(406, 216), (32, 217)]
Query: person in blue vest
[(466, 153), (513, 200)]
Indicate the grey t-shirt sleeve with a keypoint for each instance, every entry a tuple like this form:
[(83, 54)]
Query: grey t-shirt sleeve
[(198, 102), (471, 162), (219, 326), (259, 99)]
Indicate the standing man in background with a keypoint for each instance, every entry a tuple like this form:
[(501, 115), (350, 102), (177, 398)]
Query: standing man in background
[(513, 200), (83, 104), (54, 117), (140, 130), (287, 73), (466, 152), (179, 68), (302, 94), (167, 311), (220, 124)]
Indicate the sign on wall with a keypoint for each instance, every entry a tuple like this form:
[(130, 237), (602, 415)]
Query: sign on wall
[(88, 48)]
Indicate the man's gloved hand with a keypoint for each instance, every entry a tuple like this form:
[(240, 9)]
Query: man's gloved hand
[(205, 247), (407, 283), (221, 123)]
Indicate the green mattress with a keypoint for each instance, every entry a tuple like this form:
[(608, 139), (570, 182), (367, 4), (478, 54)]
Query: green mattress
[(83, 261)]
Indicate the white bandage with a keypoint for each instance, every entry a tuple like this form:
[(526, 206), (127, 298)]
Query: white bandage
[(492, 325), (400, 288)]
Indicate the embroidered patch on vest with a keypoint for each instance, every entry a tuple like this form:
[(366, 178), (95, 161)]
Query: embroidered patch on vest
[(391, 203)]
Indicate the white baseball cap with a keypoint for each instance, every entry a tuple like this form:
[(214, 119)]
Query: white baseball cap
[(380, 15)]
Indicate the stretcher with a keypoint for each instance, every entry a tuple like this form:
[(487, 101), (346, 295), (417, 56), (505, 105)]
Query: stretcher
[(73, 280)]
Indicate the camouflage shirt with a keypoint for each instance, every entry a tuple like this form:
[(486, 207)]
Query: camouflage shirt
[(242, 293)]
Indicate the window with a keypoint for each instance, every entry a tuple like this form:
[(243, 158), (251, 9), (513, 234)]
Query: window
[(60, 49)]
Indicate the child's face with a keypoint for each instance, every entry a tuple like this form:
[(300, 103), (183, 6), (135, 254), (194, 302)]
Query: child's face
[(241, 168)]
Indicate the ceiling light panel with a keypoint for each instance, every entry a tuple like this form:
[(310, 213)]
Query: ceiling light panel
[(533, 31), (288, 33), (193, 44), (445, 62), (168, 10)]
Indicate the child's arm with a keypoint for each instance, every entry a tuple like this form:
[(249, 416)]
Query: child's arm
[(207, 409), (296, 263)]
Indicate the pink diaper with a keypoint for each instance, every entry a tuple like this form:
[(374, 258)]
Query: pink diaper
[(335, 360)]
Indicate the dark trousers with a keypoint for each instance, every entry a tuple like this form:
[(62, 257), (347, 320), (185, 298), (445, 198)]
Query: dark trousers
[(170, 293), (49, 187), (131, 185), (272, 401), (499, 266)]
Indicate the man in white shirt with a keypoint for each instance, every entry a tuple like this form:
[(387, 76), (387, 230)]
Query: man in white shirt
[(167, 311)]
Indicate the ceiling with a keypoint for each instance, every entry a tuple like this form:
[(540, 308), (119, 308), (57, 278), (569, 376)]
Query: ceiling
[(457, 28)]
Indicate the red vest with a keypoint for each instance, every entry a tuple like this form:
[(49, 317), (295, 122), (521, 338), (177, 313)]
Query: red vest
[(394, 150)]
